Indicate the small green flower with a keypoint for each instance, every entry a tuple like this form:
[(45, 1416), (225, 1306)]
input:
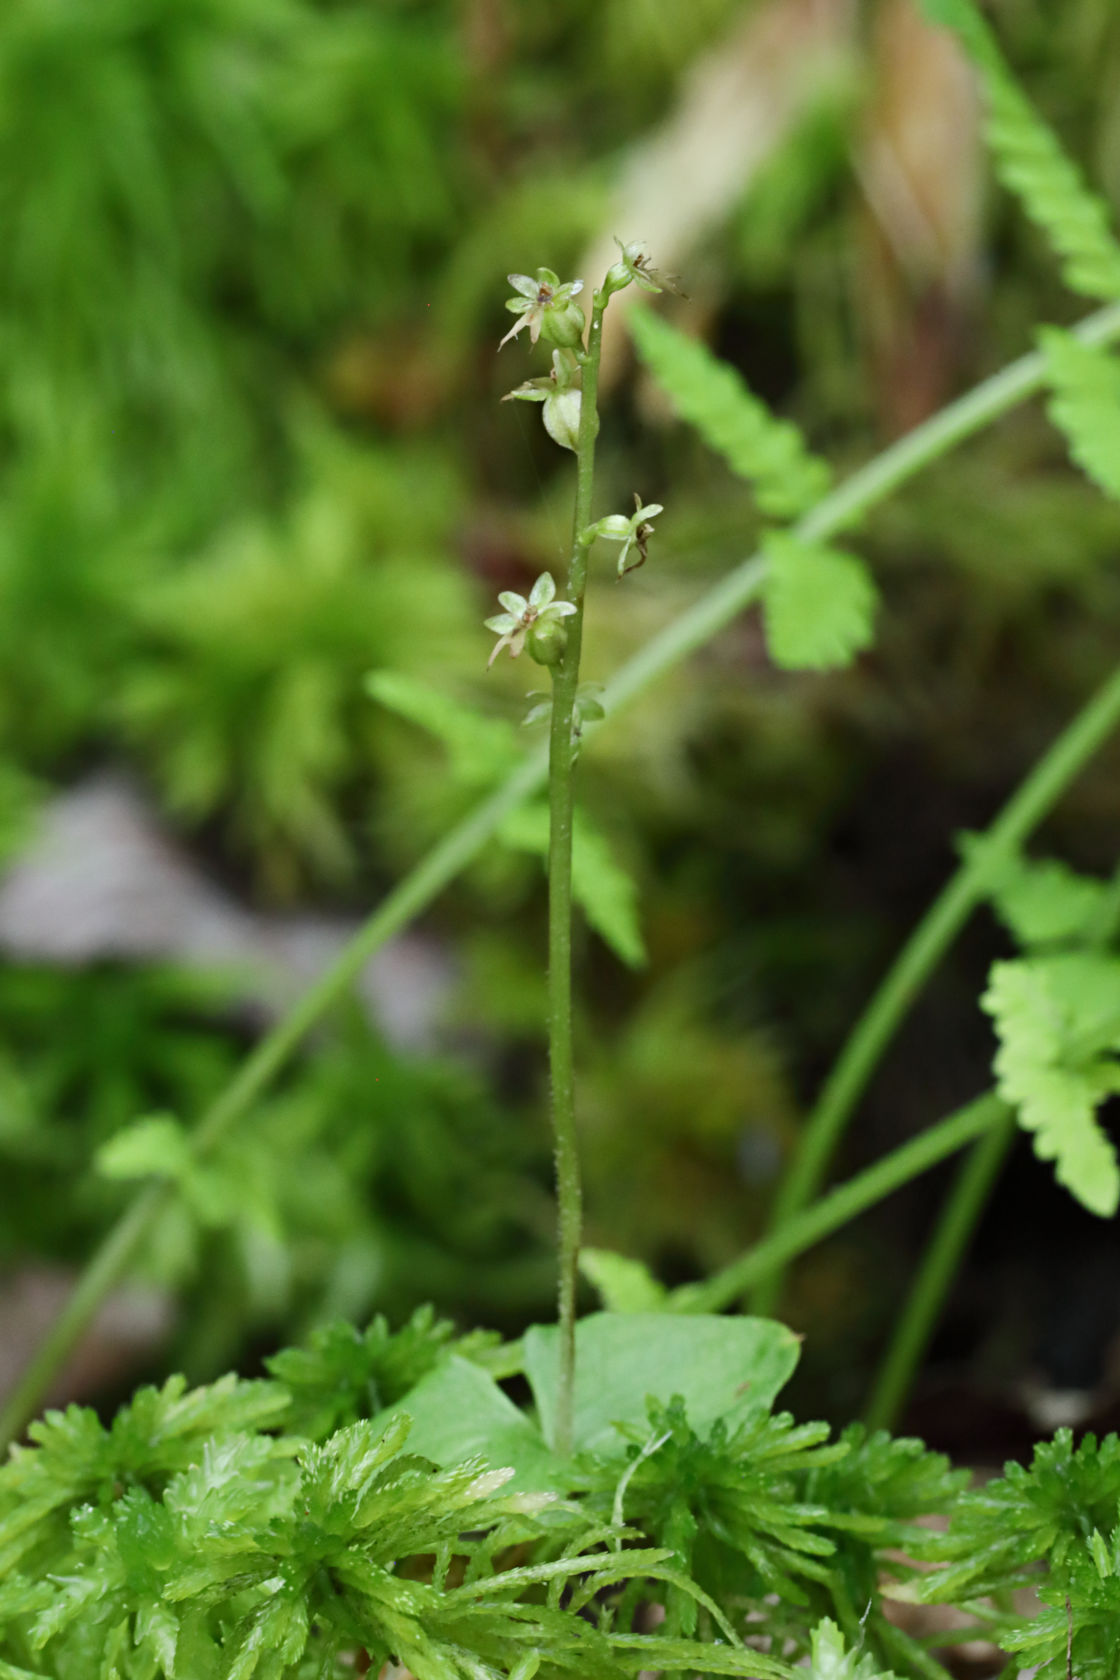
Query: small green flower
[(512, 626), (547, 308), (633, 267), (634, 532)]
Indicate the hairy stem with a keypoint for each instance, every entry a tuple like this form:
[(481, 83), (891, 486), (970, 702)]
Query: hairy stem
[(940, 1262), (687, 632), (561, 777), (1026, 808), (842, 1204)]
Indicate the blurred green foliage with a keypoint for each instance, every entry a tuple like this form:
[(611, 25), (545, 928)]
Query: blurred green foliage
[(250, 294)]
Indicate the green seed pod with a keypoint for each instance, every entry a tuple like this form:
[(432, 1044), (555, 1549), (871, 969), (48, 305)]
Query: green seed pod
[(561, 417), (564, 325), (547, 641)]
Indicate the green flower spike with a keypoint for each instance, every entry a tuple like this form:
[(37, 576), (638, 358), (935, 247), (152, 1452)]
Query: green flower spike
[(634, 532), (547, 308), (512, 626)]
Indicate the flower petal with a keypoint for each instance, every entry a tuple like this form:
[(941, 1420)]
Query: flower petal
[(558, 609), (533, 390), (523, 284), (515, 329), (543, 591), (513, 603), (503, 624)]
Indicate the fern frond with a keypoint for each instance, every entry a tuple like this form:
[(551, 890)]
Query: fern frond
[(1030, 161), (480, 748), (714, 399), (1085, 404)]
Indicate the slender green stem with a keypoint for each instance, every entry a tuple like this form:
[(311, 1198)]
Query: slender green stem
[(940, 925), (841, 1205), (561, 796), (940, 1262), (687, 632)]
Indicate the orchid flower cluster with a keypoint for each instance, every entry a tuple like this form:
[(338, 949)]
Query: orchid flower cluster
[(547, 307)]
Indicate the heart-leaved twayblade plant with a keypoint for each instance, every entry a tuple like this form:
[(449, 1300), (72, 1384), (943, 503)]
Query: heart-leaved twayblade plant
[(380, 1498), (554, 632)]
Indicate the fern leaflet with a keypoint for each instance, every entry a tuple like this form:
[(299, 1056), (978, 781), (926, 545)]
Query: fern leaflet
[(481, 749), (1040, 901), (713, 398), (1058, 1020), (818, 603), (1031, 163), (1085, 404)]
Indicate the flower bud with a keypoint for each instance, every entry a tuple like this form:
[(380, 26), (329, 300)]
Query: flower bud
[(618, 277), (547, 642)]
